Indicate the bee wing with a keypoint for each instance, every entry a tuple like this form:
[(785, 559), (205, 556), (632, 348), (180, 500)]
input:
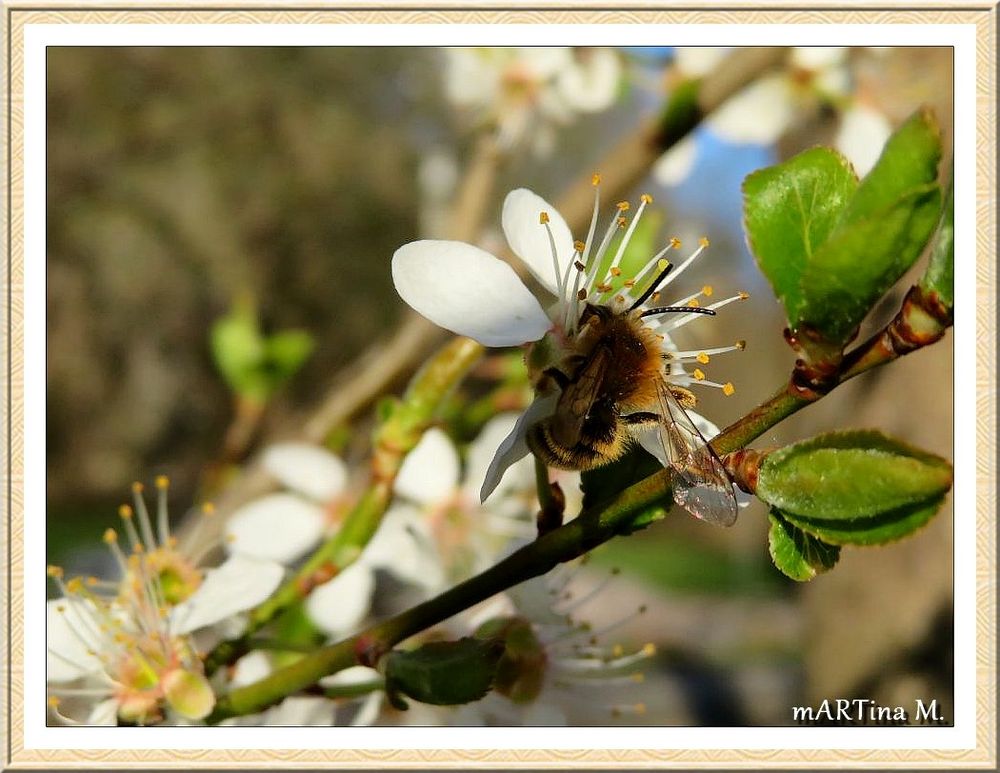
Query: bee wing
[(701, 485), (578, 398)]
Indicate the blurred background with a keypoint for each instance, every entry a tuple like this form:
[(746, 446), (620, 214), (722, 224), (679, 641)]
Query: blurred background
[(187, 186)]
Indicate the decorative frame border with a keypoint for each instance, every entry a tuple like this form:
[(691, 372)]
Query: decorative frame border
[(983, 15)]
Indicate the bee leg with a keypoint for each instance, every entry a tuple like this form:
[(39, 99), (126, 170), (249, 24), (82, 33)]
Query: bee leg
[(561, 379), (642, 417)]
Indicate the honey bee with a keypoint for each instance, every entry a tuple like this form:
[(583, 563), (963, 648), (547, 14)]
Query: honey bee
[(613, 381)]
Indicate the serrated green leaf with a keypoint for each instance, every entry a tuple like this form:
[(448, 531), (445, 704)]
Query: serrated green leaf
[(939, 278), (789, 211), (443, 673), (861, 260), (851, 475), (797, 554), (887, 527)]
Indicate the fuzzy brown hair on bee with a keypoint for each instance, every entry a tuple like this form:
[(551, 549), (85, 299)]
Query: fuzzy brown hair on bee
[(609, 381)]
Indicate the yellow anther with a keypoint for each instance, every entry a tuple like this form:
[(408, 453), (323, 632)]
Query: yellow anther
[(728, 389), (649, 649), (620, 298), (74, 585), (699, 374), (640, 708), (579, 246), (124, 511), (138, 548), (707, 291), (61, 608), (617, 651), (110, 535), (675, 243), (703, 241), (230, 538), (53, 701), (693, 302), (702, 358), (623, 206), (171, 542), (622, 222), (603, 288), (743, 295), (615, 271), (208, 509), (629, 283), (646, 198), (137, 487), (582, 295), (543, 217), (638, 677), (92, 581), (595, 179), (162, 481), (54, 571), (741, 345)]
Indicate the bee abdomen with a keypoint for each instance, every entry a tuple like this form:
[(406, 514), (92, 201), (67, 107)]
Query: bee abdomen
[(577, 457)]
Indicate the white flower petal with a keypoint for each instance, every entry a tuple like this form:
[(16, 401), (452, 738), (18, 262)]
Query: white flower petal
[(276, 527), (302, 711), (534, 601), (306, 469), (251, 668), (529, 239), (542, 62), (482, 451), (590, 83), (696, 62), (240, 583), (674, 166), (759, 114), (514, 446), (817, 57), (471, 79), (862, 134), (71, 633), (430, 471), (338, 606), (468, 291), (104, 714), (404, 546)]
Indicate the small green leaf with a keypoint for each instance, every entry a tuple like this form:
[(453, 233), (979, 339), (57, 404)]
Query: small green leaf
[(790, 210), (862, 259), (443, 673), (286, 353), (797, 554), (939, 279), (851, 475), (238, 350), (886, 527)]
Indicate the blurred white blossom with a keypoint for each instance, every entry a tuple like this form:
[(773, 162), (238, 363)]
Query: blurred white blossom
[(525, 94), (764, 110)]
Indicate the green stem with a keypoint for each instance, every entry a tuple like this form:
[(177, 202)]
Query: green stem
[(394, 438)]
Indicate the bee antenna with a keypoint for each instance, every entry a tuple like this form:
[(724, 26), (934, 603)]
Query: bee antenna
[(652, 288), (667, 309)]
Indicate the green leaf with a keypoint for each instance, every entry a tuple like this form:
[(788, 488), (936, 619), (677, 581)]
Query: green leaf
[(885, 527), (862, 260), (287, 351), (851, 475), (443, 673), (790, 210), (797, 554), (832, 247), (238, 351), (939, 278)]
